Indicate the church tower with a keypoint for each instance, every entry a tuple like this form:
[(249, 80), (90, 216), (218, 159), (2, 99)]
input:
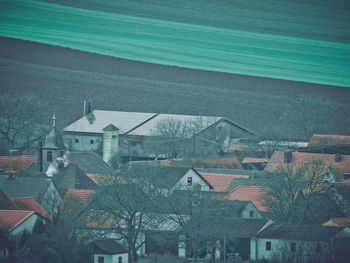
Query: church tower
[(52, 148)]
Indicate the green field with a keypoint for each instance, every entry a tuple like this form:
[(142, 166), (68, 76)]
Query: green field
[(130, 32)]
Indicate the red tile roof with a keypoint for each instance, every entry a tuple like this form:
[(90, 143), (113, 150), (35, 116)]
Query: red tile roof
[(29, 204), (253, 160), (324, 139), (74, 201), (16, 163), (10, 219), (221, 182), (255, 194), (229, 162), (299, 159), (101, 180)]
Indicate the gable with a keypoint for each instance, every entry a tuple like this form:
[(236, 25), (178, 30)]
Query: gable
[(195, 179)]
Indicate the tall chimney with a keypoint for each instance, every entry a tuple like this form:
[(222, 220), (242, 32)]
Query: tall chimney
[(87, 107)]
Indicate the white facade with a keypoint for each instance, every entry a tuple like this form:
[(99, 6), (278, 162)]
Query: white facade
[(26, 225), (191, 179), (285, 250), (118, 258)]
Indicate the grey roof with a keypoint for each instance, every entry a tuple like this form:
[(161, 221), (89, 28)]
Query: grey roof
[(108, 246), (90, 163), (25, 187), (242, 227), (54, 140), (251, 173), (125, 121), (150, 127), (160, 176), (110, 127), (300, 232)]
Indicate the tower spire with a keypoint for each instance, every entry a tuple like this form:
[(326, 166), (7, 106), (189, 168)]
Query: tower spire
[(54, 119)]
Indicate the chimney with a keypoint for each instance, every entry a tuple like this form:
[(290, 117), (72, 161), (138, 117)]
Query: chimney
[(87, 107), (287, 156), (337, 157)]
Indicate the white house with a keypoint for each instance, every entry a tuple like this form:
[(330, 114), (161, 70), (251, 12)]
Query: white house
[(109, 251), (299, 243)]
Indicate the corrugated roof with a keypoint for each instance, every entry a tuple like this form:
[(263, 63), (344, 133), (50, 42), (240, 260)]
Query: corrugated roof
[(221, 182), (300, 232), (108, 246), (150, 127), (325, 139), (90, 163), (10, 219), (99, 119), (29, 204), (25, 187), (255, 194), (16, 163)]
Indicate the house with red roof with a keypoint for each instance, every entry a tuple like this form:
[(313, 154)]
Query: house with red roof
[(15, 222), (329, 144), (16, 164), (254, 194), (30, 204), (332, 164), (220, 181)]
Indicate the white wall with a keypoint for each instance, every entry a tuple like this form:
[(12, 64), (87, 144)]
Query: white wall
[(26, 225), (112, 258), (196, 180), (84, 142), (281, 249)]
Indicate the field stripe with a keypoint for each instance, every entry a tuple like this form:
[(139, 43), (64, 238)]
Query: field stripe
[(179, 44)]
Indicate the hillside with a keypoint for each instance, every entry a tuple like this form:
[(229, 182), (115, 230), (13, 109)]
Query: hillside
[(294, 40), (62, 78)]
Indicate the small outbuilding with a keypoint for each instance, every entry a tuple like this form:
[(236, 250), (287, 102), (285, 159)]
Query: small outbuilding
[(109, 251)]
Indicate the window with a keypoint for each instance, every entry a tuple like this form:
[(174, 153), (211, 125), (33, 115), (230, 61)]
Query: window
[(61, 153), (268, 245), (346, 176), (251, 213), (76, 140), (189, 180), (49, 156), (92, 142), (120, 260), (293, 247), (100, 259)]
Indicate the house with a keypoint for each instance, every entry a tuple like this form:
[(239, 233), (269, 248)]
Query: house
[(136, 135), (338, 222), (254, 194), (300, 243), (15, 222), (168, 178), (14, 165), (6, 203), (109, 251), (42, 190), (328, 144), (30, 204), (336, 167), (221, 182)]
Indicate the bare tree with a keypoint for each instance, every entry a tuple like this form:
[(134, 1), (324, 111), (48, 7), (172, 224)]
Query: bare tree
[(17, 121), (292, 191), (180, 138), (309, 115)]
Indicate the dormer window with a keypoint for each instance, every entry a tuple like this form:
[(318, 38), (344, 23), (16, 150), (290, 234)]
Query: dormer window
[(49, 156), (189, 180)]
